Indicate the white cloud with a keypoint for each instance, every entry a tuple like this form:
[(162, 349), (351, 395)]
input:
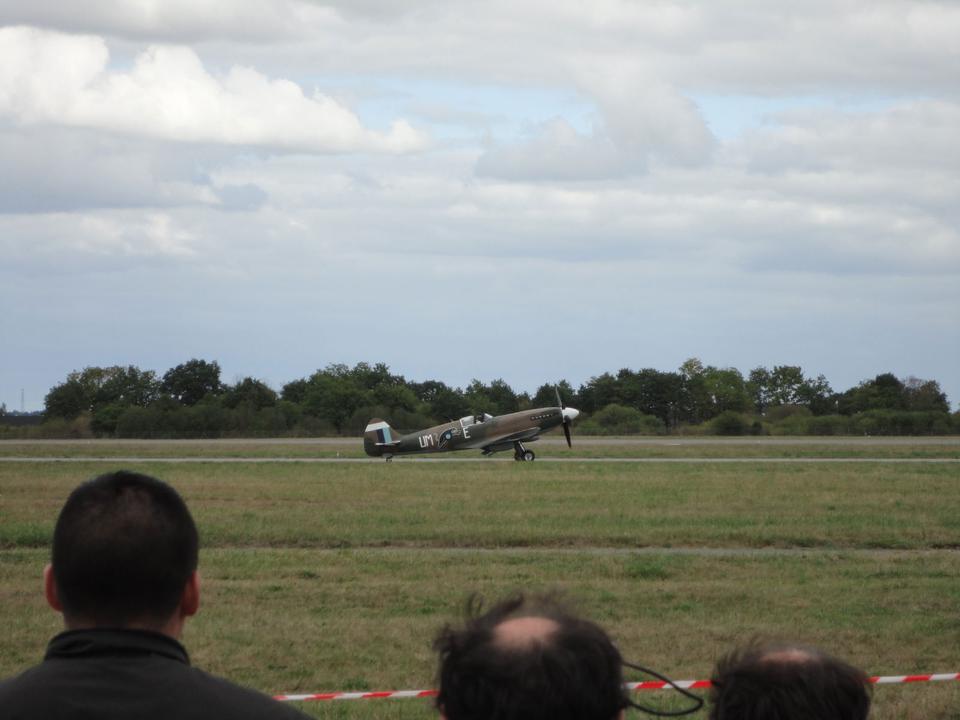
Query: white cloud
[(52, 169), (58, 242), (51, 78), (558, 152), (756, 46), (907, 135), (171, 20), (724, 215), (645, 115), (640, 119)]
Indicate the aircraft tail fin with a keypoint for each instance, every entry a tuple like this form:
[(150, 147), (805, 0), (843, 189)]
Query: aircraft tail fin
[(379, 437)]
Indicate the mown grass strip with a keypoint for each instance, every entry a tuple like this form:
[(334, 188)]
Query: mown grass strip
[(530, 505)]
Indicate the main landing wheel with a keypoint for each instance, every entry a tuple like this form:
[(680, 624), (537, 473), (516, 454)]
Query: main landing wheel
[(520, 453)]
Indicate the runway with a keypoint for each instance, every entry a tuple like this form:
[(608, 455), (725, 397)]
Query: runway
[(405, 460), (349, 446), (586, 440)]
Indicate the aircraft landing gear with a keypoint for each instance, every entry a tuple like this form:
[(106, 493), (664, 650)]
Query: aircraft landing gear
[(521, 454)]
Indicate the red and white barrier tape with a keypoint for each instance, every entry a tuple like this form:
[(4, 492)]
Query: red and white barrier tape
[(357, 695), (646, 685)]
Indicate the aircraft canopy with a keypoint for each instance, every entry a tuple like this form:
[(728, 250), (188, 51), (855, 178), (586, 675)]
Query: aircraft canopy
[(468, 420)]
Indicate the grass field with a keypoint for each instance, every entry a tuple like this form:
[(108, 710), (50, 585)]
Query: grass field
[(336, 576)]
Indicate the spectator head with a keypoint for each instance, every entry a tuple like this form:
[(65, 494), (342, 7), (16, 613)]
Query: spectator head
[(528, 659), (124, 555), (787, 682)]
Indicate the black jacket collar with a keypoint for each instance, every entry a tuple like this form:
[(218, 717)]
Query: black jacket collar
[(114, 641)]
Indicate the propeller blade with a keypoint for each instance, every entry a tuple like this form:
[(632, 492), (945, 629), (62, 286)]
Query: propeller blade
[(567, 417)]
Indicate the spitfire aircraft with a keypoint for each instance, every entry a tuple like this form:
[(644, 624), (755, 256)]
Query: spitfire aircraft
[(473, 432)]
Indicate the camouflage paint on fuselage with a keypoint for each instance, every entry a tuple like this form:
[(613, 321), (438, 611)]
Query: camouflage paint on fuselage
[(487, 433)]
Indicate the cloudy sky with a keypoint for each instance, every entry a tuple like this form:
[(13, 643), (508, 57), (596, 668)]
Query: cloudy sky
[(525, 189)]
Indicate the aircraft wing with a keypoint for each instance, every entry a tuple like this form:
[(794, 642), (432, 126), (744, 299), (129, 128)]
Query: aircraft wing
[(498, 443)]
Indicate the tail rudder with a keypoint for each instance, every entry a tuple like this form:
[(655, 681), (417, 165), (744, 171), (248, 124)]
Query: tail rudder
[(378, 437)]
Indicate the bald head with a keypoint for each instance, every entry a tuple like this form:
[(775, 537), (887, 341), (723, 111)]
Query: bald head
[(531, 659), (524, 632), (787, 682), (788, 655)]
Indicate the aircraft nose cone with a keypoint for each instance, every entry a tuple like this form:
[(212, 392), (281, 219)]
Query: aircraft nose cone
[(570, 414)]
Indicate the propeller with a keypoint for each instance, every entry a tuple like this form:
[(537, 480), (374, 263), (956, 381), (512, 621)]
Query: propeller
[(568, 415)]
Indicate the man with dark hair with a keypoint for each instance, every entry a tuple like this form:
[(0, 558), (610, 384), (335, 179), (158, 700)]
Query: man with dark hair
[(530, 660), (124, 576), (787, 682)]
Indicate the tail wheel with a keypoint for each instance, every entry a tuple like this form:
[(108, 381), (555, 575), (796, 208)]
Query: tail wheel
[(529, 456)]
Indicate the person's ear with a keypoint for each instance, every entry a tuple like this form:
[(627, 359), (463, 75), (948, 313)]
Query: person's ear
[(190, 600), (50, 589)]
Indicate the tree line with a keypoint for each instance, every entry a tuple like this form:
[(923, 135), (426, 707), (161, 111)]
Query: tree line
[(191, 400)]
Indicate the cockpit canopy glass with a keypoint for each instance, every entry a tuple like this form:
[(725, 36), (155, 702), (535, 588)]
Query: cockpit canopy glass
[(474, 419)]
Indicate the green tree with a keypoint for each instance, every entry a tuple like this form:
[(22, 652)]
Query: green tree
[(93, 388), (139, 422), (599, 392), (621, 420), (817, 395), (105, 418), (125, 386), (630, 388), (888, 392), (66, 400), (660, 394), (759, 387), (294, 391), (444, 402), (695, 403), (496, 398), (504, 398), (884, 392), (193, 380), (546, 395), (730, 423), (726, 389), (333, 395), (369, 378), (924, 395), (251, 393), (395, 397), (785, 384)]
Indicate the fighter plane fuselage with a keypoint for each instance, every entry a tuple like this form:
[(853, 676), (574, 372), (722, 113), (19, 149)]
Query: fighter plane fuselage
[(484, 432)]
